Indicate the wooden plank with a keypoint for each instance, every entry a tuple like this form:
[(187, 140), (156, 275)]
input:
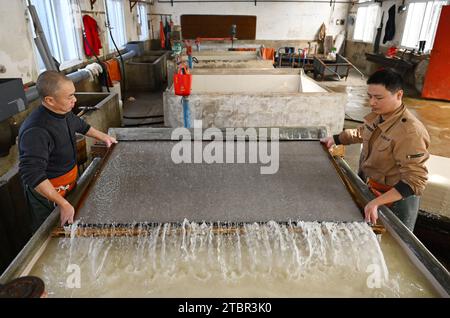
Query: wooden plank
[(145, 230), (218, 26)]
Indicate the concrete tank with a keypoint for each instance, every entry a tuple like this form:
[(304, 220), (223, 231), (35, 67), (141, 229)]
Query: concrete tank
[(258, 100)]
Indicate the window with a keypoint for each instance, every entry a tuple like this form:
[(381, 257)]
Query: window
[(143, 21), (365, 27), (117, 24), (421, 23), (58, 23)]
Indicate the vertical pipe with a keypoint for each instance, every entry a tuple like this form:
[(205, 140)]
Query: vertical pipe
[(43, 41), (186, 112), (45, 58)]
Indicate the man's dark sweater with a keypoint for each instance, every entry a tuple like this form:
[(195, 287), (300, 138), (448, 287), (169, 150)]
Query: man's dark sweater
[(47, 145)]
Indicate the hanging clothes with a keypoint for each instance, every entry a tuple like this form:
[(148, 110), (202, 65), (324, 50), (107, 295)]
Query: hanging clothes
[(389, 32), (268, 53), (113, 69), (167, 34), (92, 43), (162, 36)]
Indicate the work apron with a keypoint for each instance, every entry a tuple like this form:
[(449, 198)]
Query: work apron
[(40, 206), (405, 209), (65, 183)]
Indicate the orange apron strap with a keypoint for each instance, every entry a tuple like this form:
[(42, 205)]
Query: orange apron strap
[(63, 184), (378, 188)]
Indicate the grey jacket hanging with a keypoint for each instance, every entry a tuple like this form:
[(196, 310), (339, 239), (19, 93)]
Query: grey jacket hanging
[(389, 32)]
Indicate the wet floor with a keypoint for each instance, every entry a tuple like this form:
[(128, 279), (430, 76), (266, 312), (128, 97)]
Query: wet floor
[(435, 115)]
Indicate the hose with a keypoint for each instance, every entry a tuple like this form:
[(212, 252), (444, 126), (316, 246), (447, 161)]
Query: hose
[(118, 51)]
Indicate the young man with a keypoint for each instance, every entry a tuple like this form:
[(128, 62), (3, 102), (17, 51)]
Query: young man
[(394, 150), (47, 148)]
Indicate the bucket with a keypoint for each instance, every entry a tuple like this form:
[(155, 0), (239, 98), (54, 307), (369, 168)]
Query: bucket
[(182, 82)]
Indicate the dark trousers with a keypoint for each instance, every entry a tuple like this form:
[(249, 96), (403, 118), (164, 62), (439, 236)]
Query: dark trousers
[(40, 207), (407, 210)]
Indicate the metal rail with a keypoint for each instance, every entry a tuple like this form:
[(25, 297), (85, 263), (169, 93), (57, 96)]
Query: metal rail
[(426, 262), (27, 254)]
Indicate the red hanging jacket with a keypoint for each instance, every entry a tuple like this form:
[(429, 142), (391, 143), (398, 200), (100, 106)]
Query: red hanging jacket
[(162, 37), (93, 44)]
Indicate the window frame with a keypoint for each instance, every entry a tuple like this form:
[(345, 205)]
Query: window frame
[(52, 26), (143, 21), (428, 45), (366, 4), (117, 14)]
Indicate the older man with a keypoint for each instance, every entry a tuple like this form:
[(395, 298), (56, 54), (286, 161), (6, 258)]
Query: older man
[(394, 150), (47, 148)]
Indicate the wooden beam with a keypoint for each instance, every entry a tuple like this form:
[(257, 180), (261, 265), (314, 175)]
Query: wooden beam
[(132, 4), (136, 230)]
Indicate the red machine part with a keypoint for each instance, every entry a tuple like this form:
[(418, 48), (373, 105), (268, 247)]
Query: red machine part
[(437, 79)]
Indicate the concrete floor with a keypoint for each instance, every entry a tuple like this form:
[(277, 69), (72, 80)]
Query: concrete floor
[(436, 117)]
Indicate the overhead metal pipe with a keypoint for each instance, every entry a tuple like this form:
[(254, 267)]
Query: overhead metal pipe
[(32, 94), (78, 76), (128, 55)]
